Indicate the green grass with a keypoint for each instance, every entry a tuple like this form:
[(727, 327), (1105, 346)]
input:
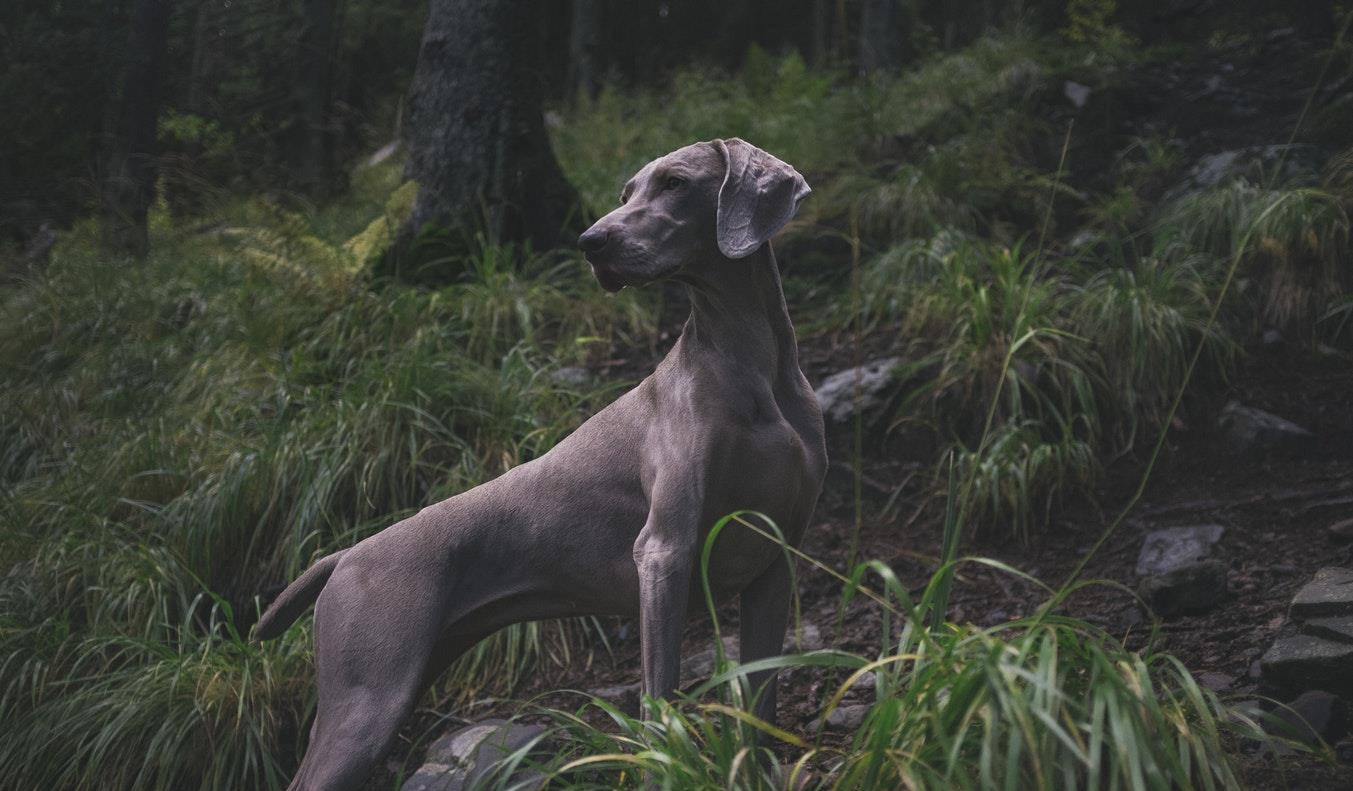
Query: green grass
[(1040, 702), (181, 433), (194, 428)]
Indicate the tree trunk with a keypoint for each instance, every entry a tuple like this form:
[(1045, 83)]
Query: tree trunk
[(314, 75), (584, 55), (477, 142), (129, 176), (818, 32), (882, 35)]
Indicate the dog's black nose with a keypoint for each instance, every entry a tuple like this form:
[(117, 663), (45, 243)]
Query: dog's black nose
[(593, 239)]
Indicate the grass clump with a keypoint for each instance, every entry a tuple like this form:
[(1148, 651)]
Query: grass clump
[(1293, 245), (199, 427), (1041, 702)]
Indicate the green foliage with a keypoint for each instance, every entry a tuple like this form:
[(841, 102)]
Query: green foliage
[(202, 426), (1293, 244), (1091, 22), (1040, 702)]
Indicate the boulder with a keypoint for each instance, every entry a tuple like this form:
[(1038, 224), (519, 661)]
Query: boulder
[(1341, 531), (465, 757), (1173, 548), (1329, 593), (1304, 662), (623, 696), (1301, 163), (1217, 682), (383, 153), (1250, 430), (1076, 93), (1314, 716), (1187, 590), (1338, 629), (843, 718), (571, 376), (837, 393), (700, 665)]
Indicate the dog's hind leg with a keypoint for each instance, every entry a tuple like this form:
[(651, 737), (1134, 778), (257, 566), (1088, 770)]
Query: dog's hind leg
[(375, 637)]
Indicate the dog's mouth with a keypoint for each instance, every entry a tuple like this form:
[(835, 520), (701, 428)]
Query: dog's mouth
[(607, 278)]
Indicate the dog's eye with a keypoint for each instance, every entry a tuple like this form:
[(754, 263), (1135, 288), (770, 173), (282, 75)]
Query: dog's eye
[(674, 182)]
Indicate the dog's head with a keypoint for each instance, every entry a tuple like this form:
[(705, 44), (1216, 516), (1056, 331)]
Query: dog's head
[(721, 198)]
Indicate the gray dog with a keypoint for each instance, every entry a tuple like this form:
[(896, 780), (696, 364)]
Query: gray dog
[(612, 520)]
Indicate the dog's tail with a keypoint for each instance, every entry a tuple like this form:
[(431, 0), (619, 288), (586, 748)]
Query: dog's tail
[(299, 595)]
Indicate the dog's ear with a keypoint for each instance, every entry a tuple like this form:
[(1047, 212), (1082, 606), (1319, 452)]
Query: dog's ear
[(759, 195)]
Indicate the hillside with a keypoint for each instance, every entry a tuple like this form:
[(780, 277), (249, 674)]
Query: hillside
[(1052, 256)]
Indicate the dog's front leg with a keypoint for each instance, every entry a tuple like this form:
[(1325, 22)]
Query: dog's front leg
[(663, 555)]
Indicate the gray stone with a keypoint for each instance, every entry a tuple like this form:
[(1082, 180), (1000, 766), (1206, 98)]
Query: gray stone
[(1271, 338), (1076, 93), (623, 696), (867, 683), (1217, 682), (1300, 163), (1339, 629), (843, 718), (1313, 717), (1173, 548), (837, 393), (458, 760), (1187, 590), (1306, 662), (806, 638), (383, 153), (1329, 593), (1341, 531), (1250, 430), (571, 376), (700, 665)]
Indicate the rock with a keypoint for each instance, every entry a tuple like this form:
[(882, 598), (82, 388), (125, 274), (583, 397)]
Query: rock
[(1313, 717), (1329, 593), (786, 777), (1217, 682), (623, 696), (1187, 590), (843, 718), (1165, 550), (462, 758), (700, 665), (1076, 93), (837, 393), (806, 638), (1338, 629), (1301, 163), (866, 683), (383, 153), (1271, 338), (1250, 430), (1307, 662), (1341, 531), (571, 376), (39, 249)]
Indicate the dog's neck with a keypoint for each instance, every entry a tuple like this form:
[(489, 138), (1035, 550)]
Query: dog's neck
[(738, 311)]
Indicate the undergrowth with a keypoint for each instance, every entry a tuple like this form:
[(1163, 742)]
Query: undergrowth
[(184, 433)]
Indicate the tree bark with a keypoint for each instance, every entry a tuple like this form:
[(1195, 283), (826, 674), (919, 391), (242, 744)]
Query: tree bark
[(585, 54), (314, 77), (882, 35), (129, 180), (477, 142)]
